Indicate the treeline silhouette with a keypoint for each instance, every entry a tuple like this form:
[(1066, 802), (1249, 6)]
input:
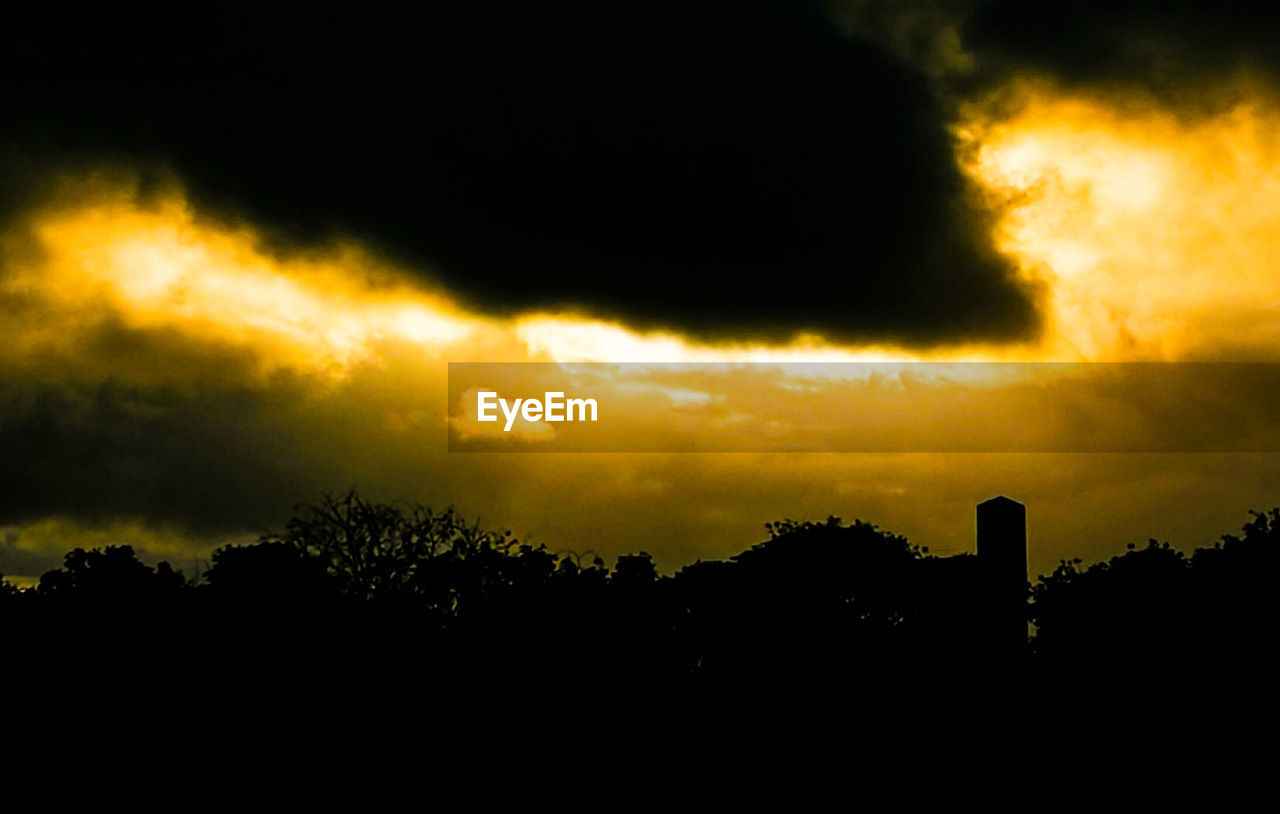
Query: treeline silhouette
[(359, 594)]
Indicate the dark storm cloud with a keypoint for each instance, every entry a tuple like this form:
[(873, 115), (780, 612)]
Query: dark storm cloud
[(723, 168), (16, 560), (102, 423), (211, 456), (1167, 46)]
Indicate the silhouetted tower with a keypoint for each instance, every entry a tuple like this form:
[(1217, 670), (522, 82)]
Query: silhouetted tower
[(1002, 550)]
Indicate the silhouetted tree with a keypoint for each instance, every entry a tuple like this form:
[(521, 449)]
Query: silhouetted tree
[(113, 574), (356, 597), (268, 571), (1130, 609), (1155, 611), (377, 550)]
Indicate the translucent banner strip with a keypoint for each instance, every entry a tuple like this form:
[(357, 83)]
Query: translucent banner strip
[(864, 407)]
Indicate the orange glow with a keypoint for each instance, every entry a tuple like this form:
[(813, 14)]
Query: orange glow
[(1158, 235), (160, 268)]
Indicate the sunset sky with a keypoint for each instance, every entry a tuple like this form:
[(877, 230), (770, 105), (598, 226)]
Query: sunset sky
[(236, 261)]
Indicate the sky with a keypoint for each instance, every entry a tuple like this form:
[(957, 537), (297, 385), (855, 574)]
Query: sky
[(237, 258)]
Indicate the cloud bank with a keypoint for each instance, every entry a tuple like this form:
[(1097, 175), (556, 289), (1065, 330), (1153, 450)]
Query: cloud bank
[(722, 169)]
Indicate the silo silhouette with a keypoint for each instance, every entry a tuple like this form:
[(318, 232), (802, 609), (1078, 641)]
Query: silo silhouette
[(1002, 551)]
